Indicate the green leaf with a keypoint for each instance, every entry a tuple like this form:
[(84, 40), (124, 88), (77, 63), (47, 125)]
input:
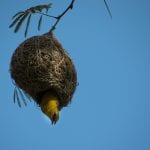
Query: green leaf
[(49, 6), (39, 8), (107, 7), (22, 96), (18, 13), (20, 22), (40, 22), (15, 21), (31, 10), (27, 25)]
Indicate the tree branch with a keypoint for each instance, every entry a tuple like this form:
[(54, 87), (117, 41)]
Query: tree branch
[(58, 18)]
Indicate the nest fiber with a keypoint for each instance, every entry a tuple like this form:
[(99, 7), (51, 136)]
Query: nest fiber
[(41, 64)]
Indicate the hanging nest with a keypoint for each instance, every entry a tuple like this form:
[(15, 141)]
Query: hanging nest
[(40, 65)]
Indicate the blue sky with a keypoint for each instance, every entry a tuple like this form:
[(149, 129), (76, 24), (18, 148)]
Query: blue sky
[(110, 108)]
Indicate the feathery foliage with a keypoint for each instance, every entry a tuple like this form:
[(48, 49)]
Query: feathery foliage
[(21, 16)]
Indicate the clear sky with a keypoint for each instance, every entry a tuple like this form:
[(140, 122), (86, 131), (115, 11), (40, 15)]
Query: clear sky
[(110, 109)]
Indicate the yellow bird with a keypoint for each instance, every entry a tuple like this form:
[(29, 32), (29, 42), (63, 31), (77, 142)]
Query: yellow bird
[(50, 107)]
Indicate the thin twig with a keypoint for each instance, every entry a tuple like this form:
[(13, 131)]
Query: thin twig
[(61, 15), (46, 15)]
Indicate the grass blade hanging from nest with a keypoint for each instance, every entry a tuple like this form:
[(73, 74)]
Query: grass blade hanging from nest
[(22, 96), (17, 97), (14, 97)]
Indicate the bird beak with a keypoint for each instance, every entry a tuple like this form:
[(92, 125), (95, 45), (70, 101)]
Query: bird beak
[(54, 119)]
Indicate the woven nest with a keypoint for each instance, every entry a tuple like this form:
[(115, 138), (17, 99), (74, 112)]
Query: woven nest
[(40, 64)]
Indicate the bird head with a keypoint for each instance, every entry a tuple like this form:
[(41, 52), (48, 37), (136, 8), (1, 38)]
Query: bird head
[(50, 107)]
